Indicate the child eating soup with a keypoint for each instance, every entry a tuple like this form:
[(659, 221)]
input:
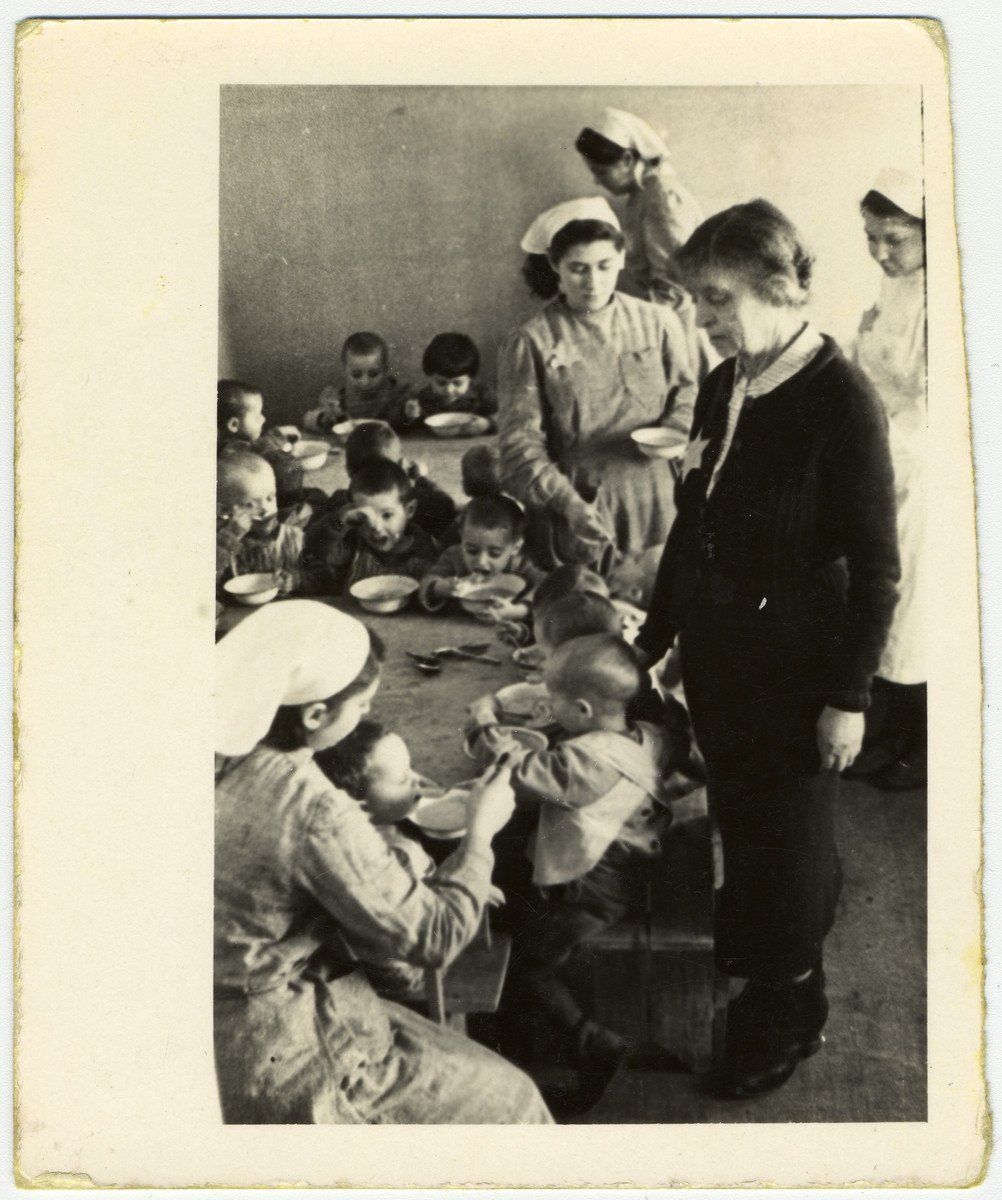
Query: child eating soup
[(251, 536), (369, 390), (451, 362), (375, 534), (490, 544), (601, 813)]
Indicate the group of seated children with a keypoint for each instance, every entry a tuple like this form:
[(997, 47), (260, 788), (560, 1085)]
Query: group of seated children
[(591, 811), (370, 391)]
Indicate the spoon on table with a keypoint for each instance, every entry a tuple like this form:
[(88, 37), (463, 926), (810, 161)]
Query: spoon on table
[(475, 652), (427, 663)]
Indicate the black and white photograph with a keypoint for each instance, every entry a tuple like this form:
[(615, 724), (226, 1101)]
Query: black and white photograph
[(570, 655)]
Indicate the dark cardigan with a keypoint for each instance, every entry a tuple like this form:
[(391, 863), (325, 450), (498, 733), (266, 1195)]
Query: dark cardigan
[(802, 518)]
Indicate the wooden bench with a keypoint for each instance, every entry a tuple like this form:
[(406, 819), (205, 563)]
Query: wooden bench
[(652, 976), (472, 983)]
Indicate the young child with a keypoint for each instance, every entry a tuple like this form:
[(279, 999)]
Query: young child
[(240, 424), (369, 390), (451, 362), (435, 510), (251, 535), (373, 765), (491, 529), (480, 467), (602, 809), (374, 535), (574, 615)]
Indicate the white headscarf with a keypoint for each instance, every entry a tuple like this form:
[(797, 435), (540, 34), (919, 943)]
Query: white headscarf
[(903, 189), (543, 230), (291, 652), (631, 133)]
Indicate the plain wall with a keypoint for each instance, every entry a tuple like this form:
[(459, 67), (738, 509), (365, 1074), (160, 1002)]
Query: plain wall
[(401, 209)]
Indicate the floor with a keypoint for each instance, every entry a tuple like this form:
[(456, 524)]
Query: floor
[(872, 1067)]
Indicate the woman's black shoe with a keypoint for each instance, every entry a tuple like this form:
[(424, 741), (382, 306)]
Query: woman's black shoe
[(770, 1028)]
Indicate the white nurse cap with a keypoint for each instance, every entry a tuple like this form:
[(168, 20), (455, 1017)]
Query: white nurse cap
[(292, 652), (545, 227), (902, 188)]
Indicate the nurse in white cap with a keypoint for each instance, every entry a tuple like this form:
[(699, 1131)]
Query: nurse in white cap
[(300, 1036), (576, 380), (891, 349), (627, 158)]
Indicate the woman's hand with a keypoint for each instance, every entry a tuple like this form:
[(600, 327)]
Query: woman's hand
[(490, 807), (840, 736), (584, 523)]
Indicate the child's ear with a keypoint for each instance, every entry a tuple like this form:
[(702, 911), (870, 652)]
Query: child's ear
[(584, 708), (410, 508), (314, 715), (233, 425)]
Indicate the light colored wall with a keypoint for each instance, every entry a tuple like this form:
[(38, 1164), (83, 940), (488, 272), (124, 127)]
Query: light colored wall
[(400, 209)]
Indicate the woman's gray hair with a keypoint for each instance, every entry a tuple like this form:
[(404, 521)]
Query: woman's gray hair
[(758, 242)]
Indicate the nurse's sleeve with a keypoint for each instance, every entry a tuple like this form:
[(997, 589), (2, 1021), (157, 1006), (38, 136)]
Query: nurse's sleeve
[(680, 373), (349, 869), (527, 470), (670, 216)]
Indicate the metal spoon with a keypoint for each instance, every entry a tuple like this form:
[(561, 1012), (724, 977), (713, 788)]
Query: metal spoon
[(425, 662), (474, 653)]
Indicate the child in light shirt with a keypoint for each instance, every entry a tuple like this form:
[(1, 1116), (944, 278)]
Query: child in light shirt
[(252, 536), (491, 543), (374, 534), (601, 795), (435, 510), (369, 390), (451, 362)]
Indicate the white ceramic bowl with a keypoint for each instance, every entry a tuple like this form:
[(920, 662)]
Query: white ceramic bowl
[(525, 704), (450, 425), (658, 442), (384, 593), (310, 455), (252, 589), (477, 599), (443, 816)]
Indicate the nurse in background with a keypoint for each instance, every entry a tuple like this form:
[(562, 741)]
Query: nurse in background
[(627, 158), (891, 348)]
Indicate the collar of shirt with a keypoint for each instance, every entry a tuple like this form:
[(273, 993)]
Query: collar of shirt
[(794, 358)]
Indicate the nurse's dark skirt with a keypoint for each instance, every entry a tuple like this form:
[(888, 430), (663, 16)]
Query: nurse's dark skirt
[(755, 693)]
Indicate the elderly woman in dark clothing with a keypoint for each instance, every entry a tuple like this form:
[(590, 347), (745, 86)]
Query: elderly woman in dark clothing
[(779, 578)]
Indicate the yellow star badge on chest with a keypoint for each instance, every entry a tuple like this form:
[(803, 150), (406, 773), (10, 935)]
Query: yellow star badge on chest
[(694, 455)]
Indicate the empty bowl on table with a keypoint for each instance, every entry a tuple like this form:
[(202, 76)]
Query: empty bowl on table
[(478, 599), (443, 816), (450, 425), (311, 456), (252, 589), (658, 442), (384, 593)]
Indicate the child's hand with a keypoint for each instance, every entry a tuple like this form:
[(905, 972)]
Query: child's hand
[(357, 518), (507, 610), (444, 586), (235, 522), (482, 711), (286, 582), (412, 410)]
